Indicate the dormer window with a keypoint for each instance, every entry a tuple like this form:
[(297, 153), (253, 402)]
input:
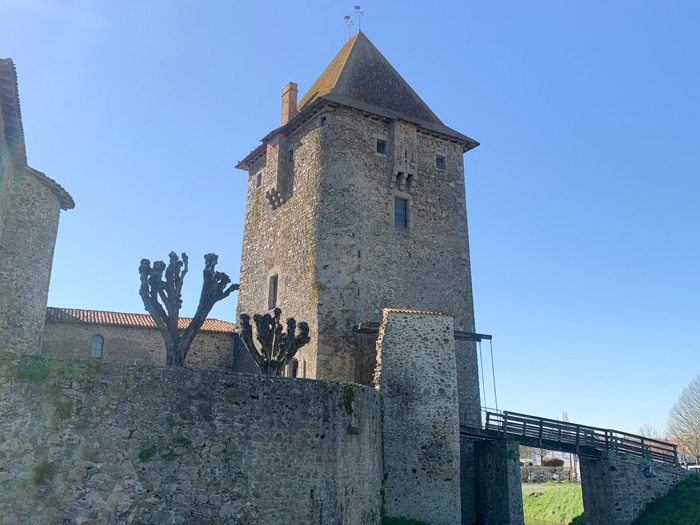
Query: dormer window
[(440, 162), (381, 146)]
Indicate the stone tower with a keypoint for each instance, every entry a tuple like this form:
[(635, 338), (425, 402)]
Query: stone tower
[(355, 204), (30, 205)]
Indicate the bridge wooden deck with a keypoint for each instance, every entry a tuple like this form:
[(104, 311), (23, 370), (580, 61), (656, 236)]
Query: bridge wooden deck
[(584, 440)]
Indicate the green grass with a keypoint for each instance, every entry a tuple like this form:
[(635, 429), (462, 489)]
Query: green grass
[(680, 505), (560, 504)]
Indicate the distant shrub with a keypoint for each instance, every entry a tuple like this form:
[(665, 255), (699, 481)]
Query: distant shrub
[(552, 462)]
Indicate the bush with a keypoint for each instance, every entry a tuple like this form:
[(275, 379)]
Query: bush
[(552, 462)]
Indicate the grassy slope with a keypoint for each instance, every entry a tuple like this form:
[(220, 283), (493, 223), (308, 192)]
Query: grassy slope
[(680, 505), (560, 504)]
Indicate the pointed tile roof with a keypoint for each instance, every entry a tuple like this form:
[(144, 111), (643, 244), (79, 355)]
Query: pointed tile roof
[(359, 76)]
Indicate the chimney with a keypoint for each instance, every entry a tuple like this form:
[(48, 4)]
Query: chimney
[(289, 102)]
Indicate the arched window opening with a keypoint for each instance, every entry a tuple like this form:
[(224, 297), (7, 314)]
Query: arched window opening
[(96, 349)]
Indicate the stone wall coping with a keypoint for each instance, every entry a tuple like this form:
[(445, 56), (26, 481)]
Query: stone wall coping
[(415, 312)]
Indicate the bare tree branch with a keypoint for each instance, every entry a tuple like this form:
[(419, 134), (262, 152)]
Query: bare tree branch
[(684, 419), (163, 300), (277, 349)]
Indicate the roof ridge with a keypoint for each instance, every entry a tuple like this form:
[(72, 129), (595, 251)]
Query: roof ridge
[(80, 315), (347, 57)]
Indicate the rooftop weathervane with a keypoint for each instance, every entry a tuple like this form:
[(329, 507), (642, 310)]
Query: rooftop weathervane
[(360, 14), (348, 21)]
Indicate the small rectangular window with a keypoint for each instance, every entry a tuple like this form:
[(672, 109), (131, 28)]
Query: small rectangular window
[(290, 156), (400, 213), (440, 162), (323, 121), (258, 180), (381, 146), (272, 293)]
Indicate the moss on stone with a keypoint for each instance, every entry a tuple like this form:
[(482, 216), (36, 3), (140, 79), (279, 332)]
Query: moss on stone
[(40, 369), (147, 453), (167, 456), (348, 399), (89, 453), (172, 423), (42, 472), (64, 409)]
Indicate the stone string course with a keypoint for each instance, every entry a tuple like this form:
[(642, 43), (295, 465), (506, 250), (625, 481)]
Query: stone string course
[(101, 443)]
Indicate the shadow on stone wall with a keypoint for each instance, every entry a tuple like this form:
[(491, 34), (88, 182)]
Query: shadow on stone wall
[(115, 443)]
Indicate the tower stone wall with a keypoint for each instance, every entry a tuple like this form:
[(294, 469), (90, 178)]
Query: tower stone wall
[(356, 204), (281, 230), (26, 257), (30, 204)]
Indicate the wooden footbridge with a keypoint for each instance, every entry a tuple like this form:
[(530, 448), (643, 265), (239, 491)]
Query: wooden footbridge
[(583, 440)]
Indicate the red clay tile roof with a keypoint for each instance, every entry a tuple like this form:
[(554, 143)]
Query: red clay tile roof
[(417, 312), (72, 315)]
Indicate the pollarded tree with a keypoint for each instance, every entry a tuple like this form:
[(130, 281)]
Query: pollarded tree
[(684, 419), (163, 300), (277, 349)]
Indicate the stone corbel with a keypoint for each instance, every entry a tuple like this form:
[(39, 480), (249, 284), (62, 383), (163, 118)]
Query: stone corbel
[(274, 199), (392, 181), (411, 183), (402, 181)]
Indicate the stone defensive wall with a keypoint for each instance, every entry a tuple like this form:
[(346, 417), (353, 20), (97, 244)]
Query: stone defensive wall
[(617, 487), (88, 442)]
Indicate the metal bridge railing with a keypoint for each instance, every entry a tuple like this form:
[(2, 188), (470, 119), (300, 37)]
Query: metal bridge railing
[(579, 439)]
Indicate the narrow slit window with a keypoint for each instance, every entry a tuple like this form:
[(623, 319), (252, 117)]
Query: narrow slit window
[(290, 156), (323, 121), (381, 147), (440, 162), (272, 294), (96, 348), (258, 180), (401, 213)]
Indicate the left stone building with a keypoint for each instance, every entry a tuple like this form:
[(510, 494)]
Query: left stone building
[(113, 337), (30, 205)]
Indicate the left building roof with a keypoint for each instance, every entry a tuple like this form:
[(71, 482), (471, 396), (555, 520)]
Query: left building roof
[(14, 132), (76, 316)]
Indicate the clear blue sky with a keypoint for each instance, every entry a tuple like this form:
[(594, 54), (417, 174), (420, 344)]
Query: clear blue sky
[(582, 198)]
